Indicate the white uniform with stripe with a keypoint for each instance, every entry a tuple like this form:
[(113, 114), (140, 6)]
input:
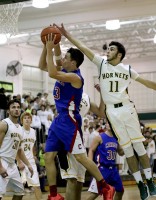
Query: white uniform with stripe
[(76, 170), (27, 144), (120, 111), (8, 151)]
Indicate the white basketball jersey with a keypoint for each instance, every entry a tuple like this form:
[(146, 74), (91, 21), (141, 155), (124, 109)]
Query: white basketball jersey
[(114, 80), (84, 105), (27, 143), (11, 141)]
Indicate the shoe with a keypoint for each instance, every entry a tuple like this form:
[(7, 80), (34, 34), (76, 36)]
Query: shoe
[(58, 197), (108, 192), (143, 190), (151, 186)]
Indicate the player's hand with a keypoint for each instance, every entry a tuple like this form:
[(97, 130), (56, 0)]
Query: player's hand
[(61, 29), (50, 41), (30, 170), (3, 172), (21, 166), (97, 86)]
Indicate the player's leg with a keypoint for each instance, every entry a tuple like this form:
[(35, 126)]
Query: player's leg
[(74, 173), (92, 196), (51, 170), (15, 184), (37, 192), (73, 189), (93, 190), (17, 197), (128, 130)]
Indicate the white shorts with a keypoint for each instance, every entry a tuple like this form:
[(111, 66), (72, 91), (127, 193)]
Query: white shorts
[(26, 176), (119, 159), (93, 186), (78, 147), (125, 124), (12, 183), (75, 169)]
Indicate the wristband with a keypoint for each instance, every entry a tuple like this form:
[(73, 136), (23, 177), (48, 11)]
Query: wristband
[(58, 57)]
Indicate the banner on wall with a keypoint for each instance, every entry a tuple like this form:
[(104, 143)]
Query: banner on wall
[(7, 86)]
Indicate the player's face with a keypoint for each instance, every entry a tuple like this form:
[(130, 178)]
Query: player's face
[(107, 126), (66, 62), (14, 110), (112, 53), (27, 120)]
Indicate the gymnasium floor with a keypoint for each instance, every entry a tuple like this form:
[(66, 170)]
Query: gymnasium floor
[(131, 193)]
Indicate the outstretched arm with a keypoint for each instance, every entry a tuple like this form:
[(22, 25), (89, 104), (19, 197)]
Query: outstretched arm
[(76, 42), (147, 83)]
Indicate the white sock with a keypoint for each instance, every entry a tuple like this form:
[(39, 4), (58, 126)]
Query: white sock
[(137, 176), (148, 173)]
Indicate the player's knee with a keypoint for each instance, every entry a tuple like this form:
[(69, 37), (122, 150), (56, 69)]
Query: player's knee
[(139, 148), (49, 157), (80, 157), (128, 151)]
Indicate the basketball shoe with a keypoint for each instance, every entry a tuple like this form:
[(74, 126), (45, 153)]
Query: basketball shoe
[(143, 190), (108, 192), (58, 197), (151, 186)]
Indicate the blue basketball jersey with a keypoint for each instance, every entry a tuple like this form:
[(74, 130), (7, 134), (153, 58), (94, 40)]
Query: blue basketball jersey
[(67, 98), (105, 153)]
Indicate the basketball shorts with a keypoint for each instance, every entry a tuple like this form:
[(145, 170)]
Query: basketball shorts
[(72, 168), (65, 133), (119, 159), (12, 184), (125, 124), (111, 176), (26, 176)]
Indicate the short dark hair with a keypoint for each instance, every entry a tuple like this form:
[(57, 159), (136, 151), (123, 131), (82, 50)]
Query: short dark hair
[(76, 55), (121, 48), (12, 102)]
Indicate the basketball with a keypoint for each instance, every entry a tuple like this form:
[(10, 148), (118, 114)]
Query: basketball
[(48, 30)]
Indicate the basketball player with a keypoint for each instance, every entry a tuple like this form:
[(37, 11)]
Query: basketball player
[(114, 79), (65, 131), (103, 151), (70, 169), (10, 140), (27, 144)]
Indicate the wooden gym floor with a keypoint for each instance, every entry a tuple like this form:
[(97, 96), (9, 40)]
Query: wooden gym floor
[(131, 193)]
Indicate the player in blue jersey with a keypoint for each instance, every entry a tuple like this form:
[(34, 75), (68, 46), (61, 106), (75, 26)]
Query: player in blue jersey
[(103, 151), (65, 131)]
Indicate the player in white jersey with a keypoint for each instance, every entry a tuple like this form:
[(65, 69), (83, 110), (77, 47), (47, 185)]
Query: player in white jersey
[(114, 79), (71, 170), (10, 147), (27, 144)]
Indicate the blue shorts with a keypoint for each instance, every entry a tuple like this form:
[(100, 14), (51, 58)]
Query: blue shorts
[(112, 177), (62, 132)]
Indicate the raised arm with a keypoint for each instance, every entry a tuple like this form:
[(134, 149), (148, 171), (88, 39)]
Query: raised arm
[(58, 56), (42, 62), (52, 69), (76, 42)]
